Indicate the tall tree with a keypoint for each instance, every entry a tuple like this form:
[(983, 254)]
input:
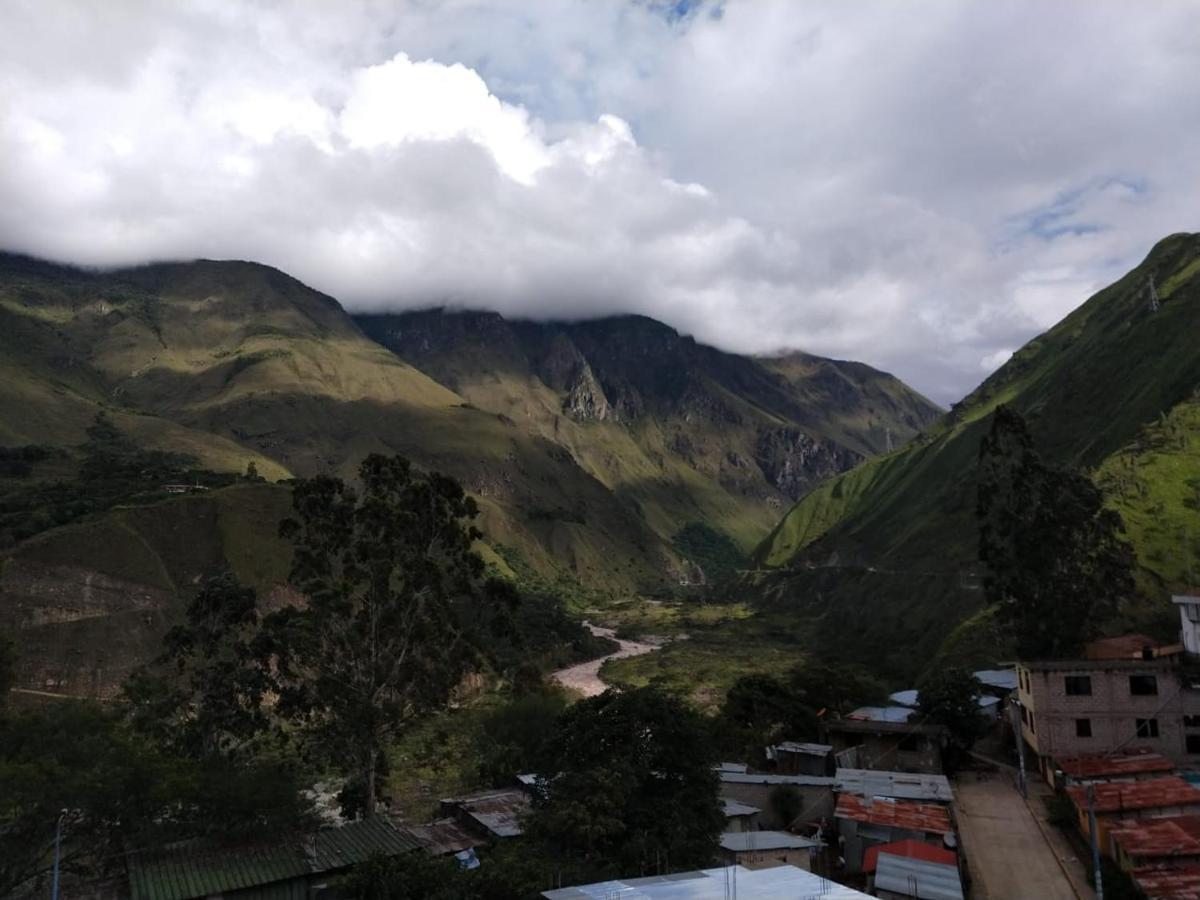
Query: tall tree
[(634, 788), (388, 577), (1055, 564), (8, 668), (950, 697)]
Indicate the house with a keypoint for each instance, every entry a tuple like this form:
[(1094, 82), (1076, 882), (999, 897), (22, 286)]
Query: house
[(918, 786), (1137, 843), (881, 713), (1154, 798), (289, 868), (739, 816), (997, 682), (715, 884), (913, 869), (864, 822), (444, 837), (989, 704), (793, 758), (895, 746), (762, 849), (491, 814), (756, 789), (1111, 702), (1169, 882), (1130, 765)]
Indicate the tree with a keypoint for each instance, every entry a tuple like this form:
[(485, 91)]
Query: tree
[(634, 788), (388, 577), (8, 668), (835, 688), (1055, 565), (760, 710), (950, 698)]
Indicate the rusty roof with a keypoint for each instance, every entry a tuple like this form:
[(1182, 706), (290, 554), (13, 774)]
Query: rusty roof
[(1129, 646), (499, 812), (443, 836), (894, 813), (1169, 882), (1131, 762), (1149, 838), (1117, 796)]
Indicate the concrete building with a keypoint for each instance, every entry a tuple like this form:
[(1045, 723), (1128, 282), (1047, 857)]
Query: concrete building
[(1137, 843), (867, 822), (763, 849), (1155, 798), (775, 883), (894, 746), (755, 789)]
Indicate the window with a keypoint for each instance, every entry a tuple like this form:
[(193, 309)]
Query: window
[(1143, 685), (1147, 728), (1193, 743), (912, 742), (1083, 728), (1191, 721), (1078, 685)]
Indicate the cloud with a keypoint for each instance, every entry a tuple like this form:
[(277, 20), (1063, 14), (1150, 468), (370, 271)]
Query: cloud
[(920, 187)]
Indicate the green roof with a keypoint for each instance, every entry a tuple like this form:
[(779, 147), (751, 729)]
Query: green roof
[(199, 869)]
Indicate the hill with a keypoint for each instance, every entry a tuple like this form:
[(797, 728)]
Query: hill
[(887, 551)]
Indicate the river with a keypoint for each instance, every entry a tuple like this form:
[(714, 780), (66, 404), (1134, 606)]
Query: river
[(585, 677)]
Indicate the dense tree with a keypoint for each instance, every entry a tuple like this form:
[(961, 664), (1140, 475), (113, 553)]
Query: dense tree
[(389, 580), (8, 668), (950, 698), (835, 688), (1055, 565), (512, 737), (759, 710), (633, 789)]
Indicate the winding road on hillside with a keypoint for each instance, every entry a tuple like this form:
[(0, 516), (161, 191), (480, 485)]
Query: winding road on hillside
[(585, 677)]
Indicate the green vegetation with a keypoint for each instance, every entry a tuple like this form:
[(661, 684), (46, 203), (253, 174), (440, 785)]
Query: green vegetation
[(717, 556), (949, 698)]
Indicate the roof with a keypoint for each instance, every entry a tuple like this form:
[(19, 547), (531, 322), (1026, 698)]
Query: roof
[(924, 817), (764, 778), (898, 785), (743, 841), (1169, 882), (1090, 767), (736, 808), (443, 837), (909, 698), (731, 767), (498, 812), (912, 849), (932, 881), (1154, 838), (776, 883), (865, 726), (1097, 665), (1129, 646), (881, 714), (808, 749), (198, 869), (1000, 679), (1117, 796)]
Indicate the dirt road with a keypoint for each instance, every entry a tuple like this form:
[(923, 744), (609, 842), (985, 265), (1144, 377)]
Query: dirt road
[(585, 677)]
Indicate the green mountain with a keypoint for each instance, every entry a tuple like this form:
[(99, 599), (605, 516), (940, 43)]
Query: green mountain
[(885, 554), (591, 448)]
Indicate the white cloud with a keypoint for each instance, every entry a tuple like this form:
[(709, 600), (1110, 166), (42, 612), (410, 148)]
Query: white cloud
[(920, 186)]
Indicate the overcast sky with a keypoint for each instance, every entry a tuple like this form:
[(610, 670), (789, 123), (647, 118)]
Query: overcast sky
[(919, 185)]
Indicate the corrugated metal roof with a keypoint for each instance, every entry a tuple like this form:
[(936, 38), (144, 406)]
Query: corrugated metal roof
[(1000, 679), (910, 848), (1154, 838), (498, 812), (443, 837), (917, 878), (736, 808), (891, 714), (889, 813), (743, 841), (805, 748), (899, 785), (1154, 793), (775, 883), (909, 698), (764, 778), (1097, 766), (1169, 882)]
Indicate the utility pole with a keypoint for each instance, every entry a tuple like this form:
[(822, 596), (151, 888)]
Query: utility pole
[(1091, 800), (1016, 724), (57, 853)]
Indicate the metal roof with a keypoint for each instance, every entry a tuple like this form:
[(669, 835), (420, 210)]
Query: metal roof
[(737, 808), (198, 869), (917, 878), (1000, 679), (1153, 793), (1155, 838), (744, 841), (499, 812), (731, 767), (881, 714), (1169, 882), (776, 883), (443, 836), (764, 778), (898, 785), (909, 698), (910, 848), (888, 813), (1097, 766), (809, 749)]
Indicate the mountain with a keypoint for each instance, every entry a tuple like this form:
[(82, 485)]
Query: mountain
[(591, 447), (886, 553)]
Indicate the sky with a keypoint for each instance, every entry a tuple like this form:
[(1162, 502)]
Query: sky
[(920, 185)]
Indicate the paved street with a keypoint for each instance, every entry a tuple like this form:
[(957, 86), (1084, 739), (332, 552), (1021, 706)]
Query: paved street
[(1010, 857)]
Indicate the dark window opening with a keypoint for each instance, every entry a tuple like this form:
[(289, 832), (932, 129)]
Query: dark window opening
[(1143, 685), (1191, 721), (1078, 685), (1083, 728), (1193, 743), (1147, 728)]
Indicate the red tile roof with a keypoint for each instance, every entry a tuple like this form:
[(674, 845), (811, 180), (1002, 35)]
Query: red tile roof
[(895, 813), (1151, 838), (1116, 796), (1131, 762), (1169, 882), (912, 850)]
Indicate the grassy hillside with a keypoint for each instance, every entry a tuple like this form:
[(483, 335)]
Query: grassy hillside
[(1111, 389)]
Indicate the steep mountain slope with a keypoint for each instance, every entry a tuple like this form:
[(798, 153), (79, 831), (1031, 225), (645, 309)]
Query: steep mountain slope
[(681, 432), (887, 551)]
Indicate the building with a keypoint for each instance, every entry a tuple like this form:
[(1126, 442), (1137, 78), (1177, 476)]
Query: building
[(918, 786), (1137, 843), (775, 883), (865, 822), (895, 746), (290, 869), (491, 814), (444, 837), (739, 816), (997, 682), (883, 713), (913, 869), (792, 758), (989, 704), (755, 789), (1130, 765), (762, 849), (1093, 706), (1154, 798), (1169, 882)]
